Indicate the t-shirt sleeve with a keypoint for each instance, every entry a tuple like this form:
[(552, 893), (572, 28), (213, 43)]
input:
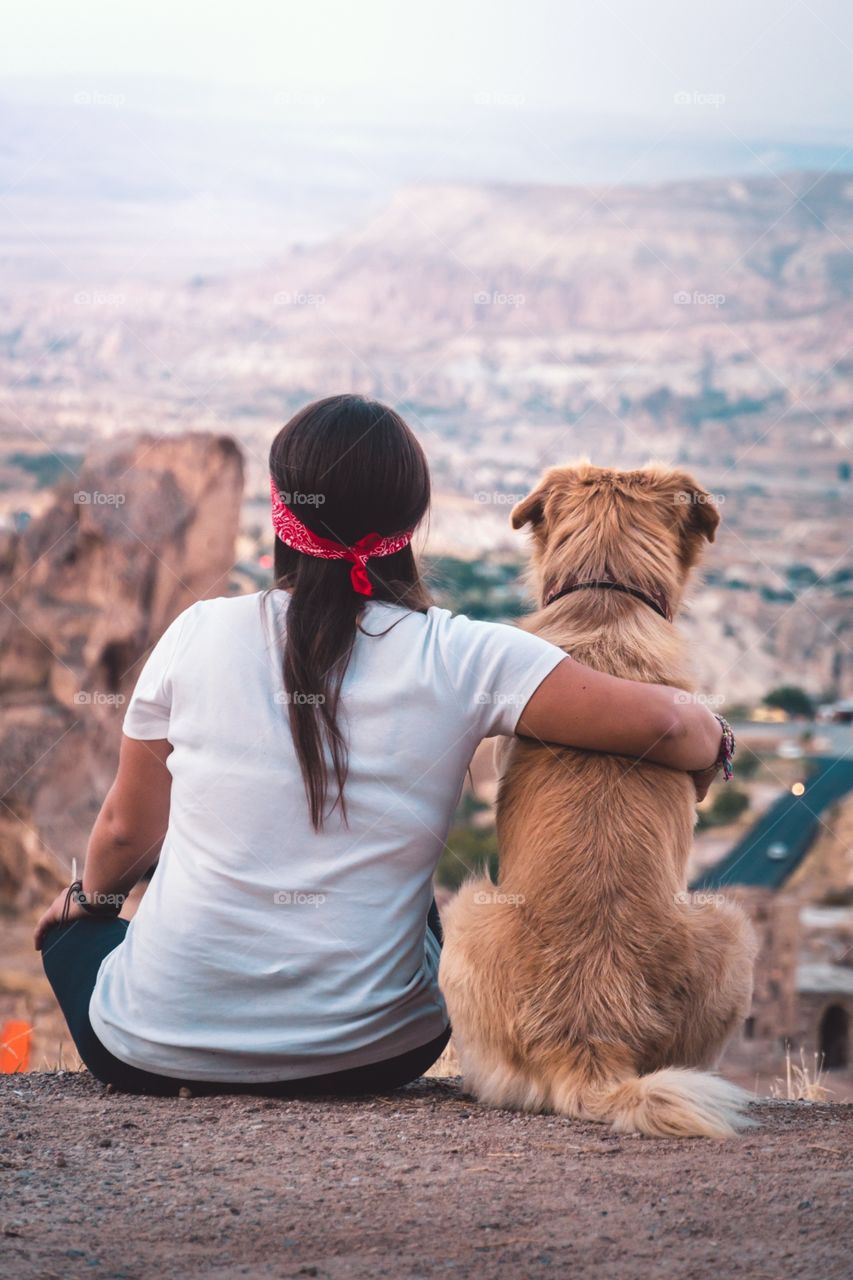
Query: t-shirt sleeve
[(148, 713), (494, 669)]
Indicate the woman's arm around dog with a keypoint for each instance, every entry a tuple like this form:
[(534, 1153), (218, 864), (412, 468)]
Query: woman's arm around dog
[(576, 706)]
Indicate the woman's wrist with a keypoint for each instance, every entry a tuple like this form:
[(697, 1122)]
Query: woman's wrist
[(726, 748), (91, 900), (97, 903)]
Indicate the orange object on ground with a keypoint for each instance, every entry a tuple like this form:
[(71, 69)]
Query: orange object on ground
[(15, 1040)]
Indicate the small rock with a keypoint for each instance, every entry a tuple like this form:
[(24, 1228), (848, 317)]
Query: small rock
[(61, 1162), (184, 1092), (105, 1142)]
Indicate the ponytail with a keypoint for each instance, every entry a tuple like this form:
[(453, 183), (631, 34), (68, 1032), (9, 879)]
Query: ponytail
[(357, 468)]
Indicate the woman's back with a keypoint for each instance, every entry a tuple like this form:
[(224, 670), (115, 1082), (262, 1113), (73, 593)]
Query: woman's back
[(265, 949)]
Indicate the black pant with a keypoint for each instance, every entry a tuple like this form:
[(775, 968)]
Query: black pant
[(72, 956)]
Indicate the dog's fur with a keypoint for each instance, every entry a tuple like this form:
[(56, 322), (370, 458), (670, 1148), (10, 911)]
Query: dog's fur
[(588, 981)]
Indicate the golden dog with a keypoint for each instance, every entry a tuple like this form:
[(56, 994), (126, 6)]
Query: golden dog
[(588, 981)]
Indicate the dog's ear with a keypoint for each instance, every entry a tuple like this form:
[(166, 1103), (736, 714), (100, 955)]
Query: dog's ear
[(692, 512), (689, 508), (698, 507), (531, 509)]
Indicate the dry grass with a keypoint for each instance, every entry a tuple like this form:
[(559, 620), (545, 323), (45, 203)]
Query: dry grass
[(65, 1060), (447, 1064), (803, 1082)]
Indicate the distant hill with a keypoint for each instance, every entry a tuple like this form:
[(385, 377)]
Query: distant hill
[(544, 259)]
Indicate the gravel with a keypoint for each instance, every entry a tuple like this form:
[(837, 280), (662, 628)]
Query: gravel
[(420, 1183)]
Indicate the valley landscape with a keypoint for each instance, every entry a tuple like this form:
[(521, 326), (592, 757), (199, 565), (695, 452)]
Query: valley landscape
[(704, 323)]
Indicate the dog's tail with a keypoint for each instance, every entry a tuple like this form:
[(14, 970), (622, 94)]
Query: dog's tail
[(671, 1103)]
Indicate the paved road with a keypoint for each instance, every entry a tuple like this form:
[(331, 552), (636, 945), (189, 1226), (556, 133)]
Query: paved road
[(792, 820), (830, 739)]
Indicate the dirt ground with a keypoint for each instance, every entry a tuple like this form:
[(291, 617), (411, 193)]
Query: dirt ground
[(421, 1183)]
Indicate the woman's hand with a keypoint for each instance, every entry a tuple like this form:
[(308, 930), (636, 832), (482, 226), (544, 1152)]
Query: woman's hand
[(53, 916)]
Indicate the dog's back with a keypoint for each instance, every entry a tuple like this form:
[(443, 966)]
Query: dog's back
[(580, 982)]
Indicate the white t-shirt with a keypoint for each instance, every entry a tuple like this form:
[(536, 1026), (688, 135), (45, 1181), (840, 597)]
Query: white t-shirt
[(264, 950)]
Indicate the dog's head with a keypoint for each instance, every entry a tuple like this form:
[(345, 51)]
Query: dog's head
[(643, 528)]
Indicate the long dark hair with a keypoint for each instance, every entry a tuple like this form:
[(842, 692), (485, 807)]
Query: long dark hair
[(347, 466)]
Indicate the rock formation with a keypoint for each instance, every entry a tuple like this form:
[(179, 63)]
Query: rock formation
[(146, 528)]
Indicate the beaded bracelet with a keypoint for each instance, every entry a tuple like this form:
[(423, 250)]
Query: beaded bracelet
[(728, 747)]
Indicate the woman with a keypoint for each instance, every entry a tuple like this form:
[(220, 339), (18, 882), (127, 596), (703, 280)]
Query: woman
[(294, 758)]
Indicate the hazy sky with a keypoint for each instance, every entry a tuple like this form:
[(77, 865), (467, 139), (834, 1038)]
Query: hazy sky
[(781, 65)]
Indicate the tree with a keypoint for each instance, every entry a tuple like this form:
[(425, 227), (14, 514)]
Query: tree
[(791, 699), (468, 851), (747, 763), (729, 804)]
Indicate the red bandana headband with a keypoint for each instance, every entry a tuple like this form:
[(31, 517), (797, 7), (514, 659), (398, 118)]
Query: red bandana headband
[(291, 531)]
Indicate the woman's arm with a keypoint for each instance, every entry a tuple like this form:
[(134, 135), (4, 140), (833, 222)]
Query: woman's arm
[(576, 706), (130, 828), (128, 831)]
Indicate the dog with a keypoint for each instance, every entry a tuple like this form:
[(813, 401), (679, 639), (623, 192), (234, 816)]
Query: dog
[(588, 981)]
